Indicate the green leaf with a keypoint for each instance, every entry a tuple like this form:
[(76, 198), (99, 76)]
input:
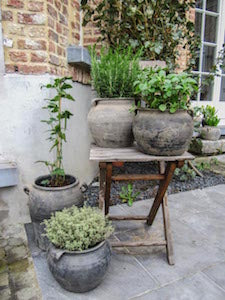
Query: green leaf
[(162, 107)]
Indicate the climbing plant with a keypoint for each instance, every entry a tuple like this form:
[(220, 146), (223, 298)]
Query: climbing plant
[(160, 26)]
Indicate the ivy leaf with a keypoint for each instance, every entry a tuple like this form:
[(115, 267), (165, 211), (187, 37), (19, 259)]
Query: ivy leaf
[(162, 107)]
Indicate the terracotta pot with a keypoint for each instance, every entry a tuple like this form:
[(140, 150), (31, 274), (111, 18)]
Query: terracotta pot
[(162, 133), (79, 271), (43, 201), (210, 133), (110, 122)]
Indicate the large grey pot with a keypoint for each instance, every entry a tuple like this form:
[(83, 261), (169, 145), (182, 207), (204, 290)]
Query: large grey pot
[(43, 201), (162, 133), (110, 122), (79, 271), (210, 133)]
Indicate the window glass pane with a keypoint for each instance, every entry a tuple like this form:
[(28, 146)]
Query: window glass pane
[(222, 90), (210, 29), (199, 3), (198, 23), (212, 5), (206, 89), (208, 58)]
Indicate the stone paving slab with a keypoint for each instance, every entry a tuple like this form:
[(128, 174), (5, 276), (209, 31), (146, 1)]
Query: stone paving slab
[(198, 222)]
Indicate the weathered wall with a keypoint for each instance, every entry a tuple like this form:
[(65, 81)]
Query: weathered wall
[(23, 136)]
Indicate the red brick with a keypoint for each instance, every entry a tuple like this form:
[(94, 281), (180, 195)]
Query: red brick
[(60, 50), (58, 4), (18, 56), (51, 23), (15, 3), (9, 68), (65, 11), (36, 69), (54, 60), (7, 15), (35, 19), (32, 44), (35, 6), (52, 12), (58, 28), (63, 19), (53, 36), (51, 47), (39, 57)]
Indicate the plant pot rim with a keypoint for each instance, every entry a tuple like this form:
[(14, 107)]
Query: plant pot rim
[(95, 100), (52, 189), (63, 251), (208, 126), (145, 109)]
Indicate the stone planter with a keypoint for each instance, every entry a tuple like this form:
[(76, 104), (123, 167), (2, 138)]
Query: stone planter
[(43, 201), (162, 133), (110, 122), (210, 133), (79, 271)]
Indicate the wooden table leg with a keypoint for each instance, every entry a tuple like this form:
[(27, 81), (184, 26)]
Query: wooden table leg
[(102, 179), (170, 168), (166, 221), (108, 186)]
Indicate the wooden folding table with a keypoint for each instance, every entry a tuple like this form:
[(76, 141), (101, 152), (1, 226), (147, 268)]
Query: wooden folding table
[(108, 157)]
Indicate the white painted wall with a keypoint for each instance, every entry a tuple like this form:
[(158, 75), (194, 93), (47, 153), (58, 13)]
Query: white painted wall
[(23, 136)]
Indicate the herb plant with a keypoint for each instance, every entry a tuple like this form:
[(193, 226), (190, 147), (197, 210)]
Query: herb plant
[(77, 228), (114, 72), (157, 26), (57, 122), (162, 90), (127, 194), (185, 173), (209, 116)]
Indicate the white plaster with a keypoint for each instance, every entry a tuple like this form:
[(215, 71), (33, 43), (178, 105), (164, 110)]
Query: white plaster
[(23, 136)]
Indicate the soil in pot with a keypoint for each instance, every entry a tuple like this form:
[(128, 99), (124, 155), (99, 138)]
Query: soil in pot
[(162, 133), (43, 201), (79, 271), (49, 181), (110, 122)]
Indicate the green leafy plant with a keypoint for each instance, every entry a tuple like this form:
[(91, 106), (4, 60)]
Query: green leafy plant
[(202, 166), (127, 194), (157, 26), (77, 228), (162, 90), (114, 72), (58, 124), (209, 116), (185, 173)]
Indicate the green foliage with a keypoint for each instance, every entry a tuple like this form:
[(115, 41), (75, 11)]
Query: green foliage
[(57, 122), (209, 116), (127, 194), (162, 90), (158, 26), (185, 173), (202, 166), (77, 228), (114, 73)]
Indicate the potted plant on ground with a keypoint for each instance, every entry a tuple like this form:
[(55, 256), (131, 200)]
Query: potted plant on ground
[(164, 126), (79, 254), (210, 121), (113, 75), (56, 190)]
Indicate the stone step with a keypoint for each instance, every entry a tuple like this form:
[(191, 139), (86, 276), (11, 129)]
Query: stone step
[(199, 146)]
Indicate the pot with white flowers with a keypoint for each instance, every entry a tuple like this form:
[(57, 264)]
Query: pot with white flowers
[(79, 254), (164, 126), (53, 192), (209, 129), (113, 75)]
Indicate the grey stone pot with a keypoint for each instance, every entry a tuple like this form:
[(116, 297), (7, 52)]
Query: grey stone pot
[(79, 271), (162, 133), (210, 133), (110, 122), (43, 201)]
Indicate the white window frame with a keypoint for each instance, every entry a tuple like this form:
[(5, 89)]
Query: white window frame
[(219, 41)]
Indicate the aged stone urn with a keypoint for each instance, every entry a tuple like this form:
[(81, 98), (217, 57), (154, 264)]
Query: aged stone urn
[(210, 133), (43, 201), (79, 271), (110, 122), (162, 133)]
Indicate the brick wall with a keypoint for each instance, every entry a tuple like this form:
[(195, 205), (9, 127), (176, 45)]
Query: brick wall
[(40, 32)]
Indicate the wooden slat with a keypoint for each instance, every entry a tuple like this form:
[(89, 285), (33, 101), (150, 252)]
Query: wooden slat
[(128, 217), (130, 154), (138, 243), (122, 177)]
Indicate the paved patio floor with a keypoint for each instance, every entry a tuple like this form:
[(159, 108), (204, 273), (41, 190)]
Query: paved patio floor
[(198, 226)]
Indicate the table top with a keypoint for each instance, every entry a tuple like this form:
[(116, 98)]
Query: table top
[(130, 154)]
